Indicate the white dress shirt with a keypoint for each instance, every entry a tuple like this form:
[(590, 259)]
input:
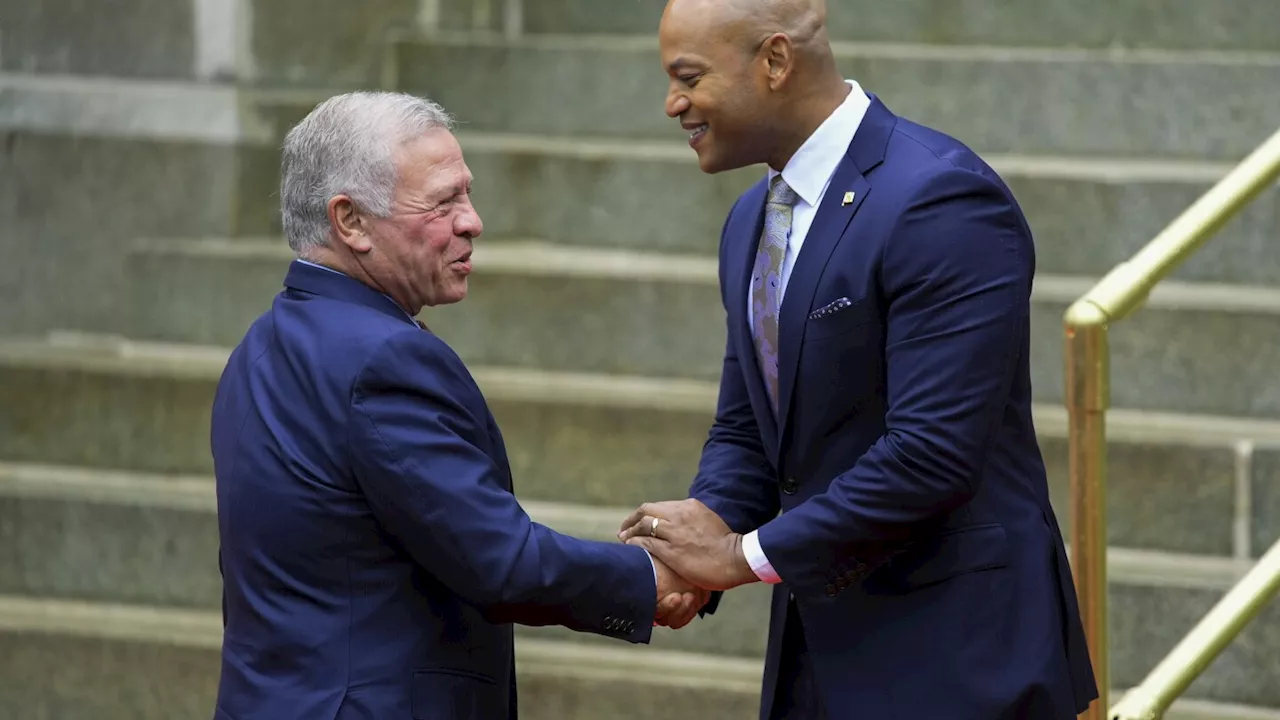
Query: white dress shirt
[(809, 172)]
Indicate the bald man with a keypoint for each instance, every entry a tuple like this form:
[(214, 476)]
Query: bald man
[(875, 391)]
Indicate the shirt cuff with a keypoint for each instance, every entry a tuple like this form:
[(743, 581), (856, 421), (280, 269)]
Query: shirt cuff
[(653, 565), (757, 560)]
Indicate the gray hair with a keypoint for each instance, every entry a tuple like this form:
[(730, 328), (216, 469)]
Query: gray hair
[(346, 146)]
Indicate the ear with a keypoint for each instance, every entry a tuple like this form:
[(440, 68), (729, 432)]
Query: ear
[(346, 222), (779, 55)]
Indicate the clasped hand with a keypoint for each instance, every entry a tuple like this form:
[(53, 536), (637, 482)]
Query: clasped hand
[(694, 550)]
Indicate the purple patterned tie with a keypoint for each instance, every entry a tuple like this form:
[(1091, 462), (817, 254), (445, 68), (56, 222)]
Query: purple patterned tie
[(766, 282)]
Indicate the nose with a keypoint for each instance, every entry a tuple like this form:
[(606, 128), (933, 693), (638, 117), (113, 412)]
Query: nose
[(677, 103), (468, 223)]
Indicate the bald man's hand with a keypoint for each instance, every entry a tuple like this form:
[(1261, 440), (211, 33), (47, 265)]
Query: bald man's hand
[(693, 540)]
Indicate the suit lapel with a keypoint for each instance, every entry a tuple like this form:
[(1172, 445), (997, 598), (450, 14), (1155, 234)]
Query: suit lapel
[(825, 233), (741, 258), (865, 152)]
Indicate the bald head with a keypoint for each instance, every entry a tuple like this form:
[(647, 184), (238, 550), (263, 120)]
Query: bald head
[(748, 24)]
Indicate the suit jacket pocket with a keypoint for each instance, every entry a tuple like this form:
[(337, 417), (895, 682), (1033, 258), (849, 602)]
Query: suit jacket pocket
[(942, 557), (839, 322), (454, 694)]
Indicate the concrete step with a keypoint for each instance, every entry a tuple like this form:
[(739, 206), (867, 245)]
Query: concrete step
[(67, 137), (153, 540), (1196, 348), (307, 42), (1181, 483), (1172, 24), (285, 42), (81, 535), (320, 43), (139, 38), (66, 660), (1129, 103), (199, 164), (1088, 213)]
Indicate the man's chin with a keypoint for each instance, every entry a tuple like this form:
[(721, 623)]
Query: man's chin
[(455, 294), (448, 296), (708, 165), (711, 164)]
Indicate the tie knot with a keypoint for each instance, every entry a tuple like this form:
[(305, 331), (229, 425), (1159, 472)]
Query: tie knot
[(780, 193)]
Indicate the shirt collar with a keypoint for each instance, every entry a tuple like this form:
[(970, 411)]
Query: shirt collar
[(317, 265), (809, 171)]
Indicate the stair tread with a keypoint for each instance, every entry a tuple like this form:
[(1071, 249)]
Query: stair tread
[(631, 42), (113, 354), (1079, 167), (203, 628), (597, 522), (142, 106), (516, 256)]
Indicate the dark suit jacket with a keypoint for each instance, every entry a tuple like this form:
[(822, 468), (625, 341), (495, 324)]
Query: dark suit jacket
[(916, 532), (370, 541)]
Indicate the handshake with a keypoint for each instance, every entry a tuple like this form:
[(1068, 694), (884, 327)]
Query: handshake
[(694, 553)]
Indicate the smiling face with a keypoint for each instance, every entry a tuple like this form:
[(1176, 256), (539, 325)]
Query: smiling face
[(719, 85), (420, 254)]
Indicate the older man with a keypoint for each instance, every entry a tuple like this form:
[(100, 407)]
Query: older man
[(372, 549), (876, 390)]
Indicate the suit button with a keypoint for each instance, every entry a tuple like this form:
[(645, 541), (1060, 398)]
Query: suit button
[(832, 590), (789, 486)]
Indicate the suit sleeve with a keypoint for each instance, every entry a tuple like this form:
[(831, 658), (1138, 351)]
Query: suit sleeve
[(956, 275), (735, 478), (419, 441)]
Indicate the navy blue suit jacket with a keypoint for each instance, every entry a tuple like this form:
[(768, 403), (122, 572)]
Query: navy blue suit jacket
[(915, 529), (372, 550)]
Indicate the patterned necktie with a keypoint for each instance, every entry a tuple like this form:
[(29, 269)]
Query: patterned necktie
[(766, 282)]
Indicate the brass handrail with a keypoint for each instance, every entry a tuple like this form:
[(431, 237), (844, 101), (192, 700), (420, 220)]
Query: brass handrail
[(1150, 698), (1088, 394)]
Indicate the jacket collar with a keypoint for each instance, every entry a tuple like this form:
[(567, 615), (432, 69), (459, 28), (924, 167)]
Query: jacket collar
[(327, 282)]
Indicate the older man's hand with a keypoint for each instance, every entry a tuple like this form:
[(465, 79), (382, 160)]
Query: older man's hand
[(692, 540), (678, 599)]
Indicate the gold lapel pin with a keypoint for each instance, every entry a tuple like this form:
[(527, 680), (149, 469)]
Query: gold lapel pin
[(848, 198)]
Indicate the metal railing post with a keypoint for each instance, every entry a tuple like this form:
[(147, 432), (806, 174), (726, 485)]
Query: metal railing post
[(1087, 398), (1088, 395)]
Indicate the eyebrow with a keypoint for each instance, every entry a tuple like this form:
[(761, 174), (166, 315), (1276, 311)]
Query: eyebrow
[(681, 63), (443, 192)]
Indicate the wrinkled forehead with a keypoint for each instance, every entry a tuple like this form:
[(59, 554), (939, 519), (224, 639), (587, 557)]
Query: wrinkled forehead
[(432, 161)]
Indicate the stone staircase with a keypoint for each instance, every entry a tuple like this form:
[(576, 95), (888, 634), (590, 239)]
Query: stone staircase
[(138, 181)]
